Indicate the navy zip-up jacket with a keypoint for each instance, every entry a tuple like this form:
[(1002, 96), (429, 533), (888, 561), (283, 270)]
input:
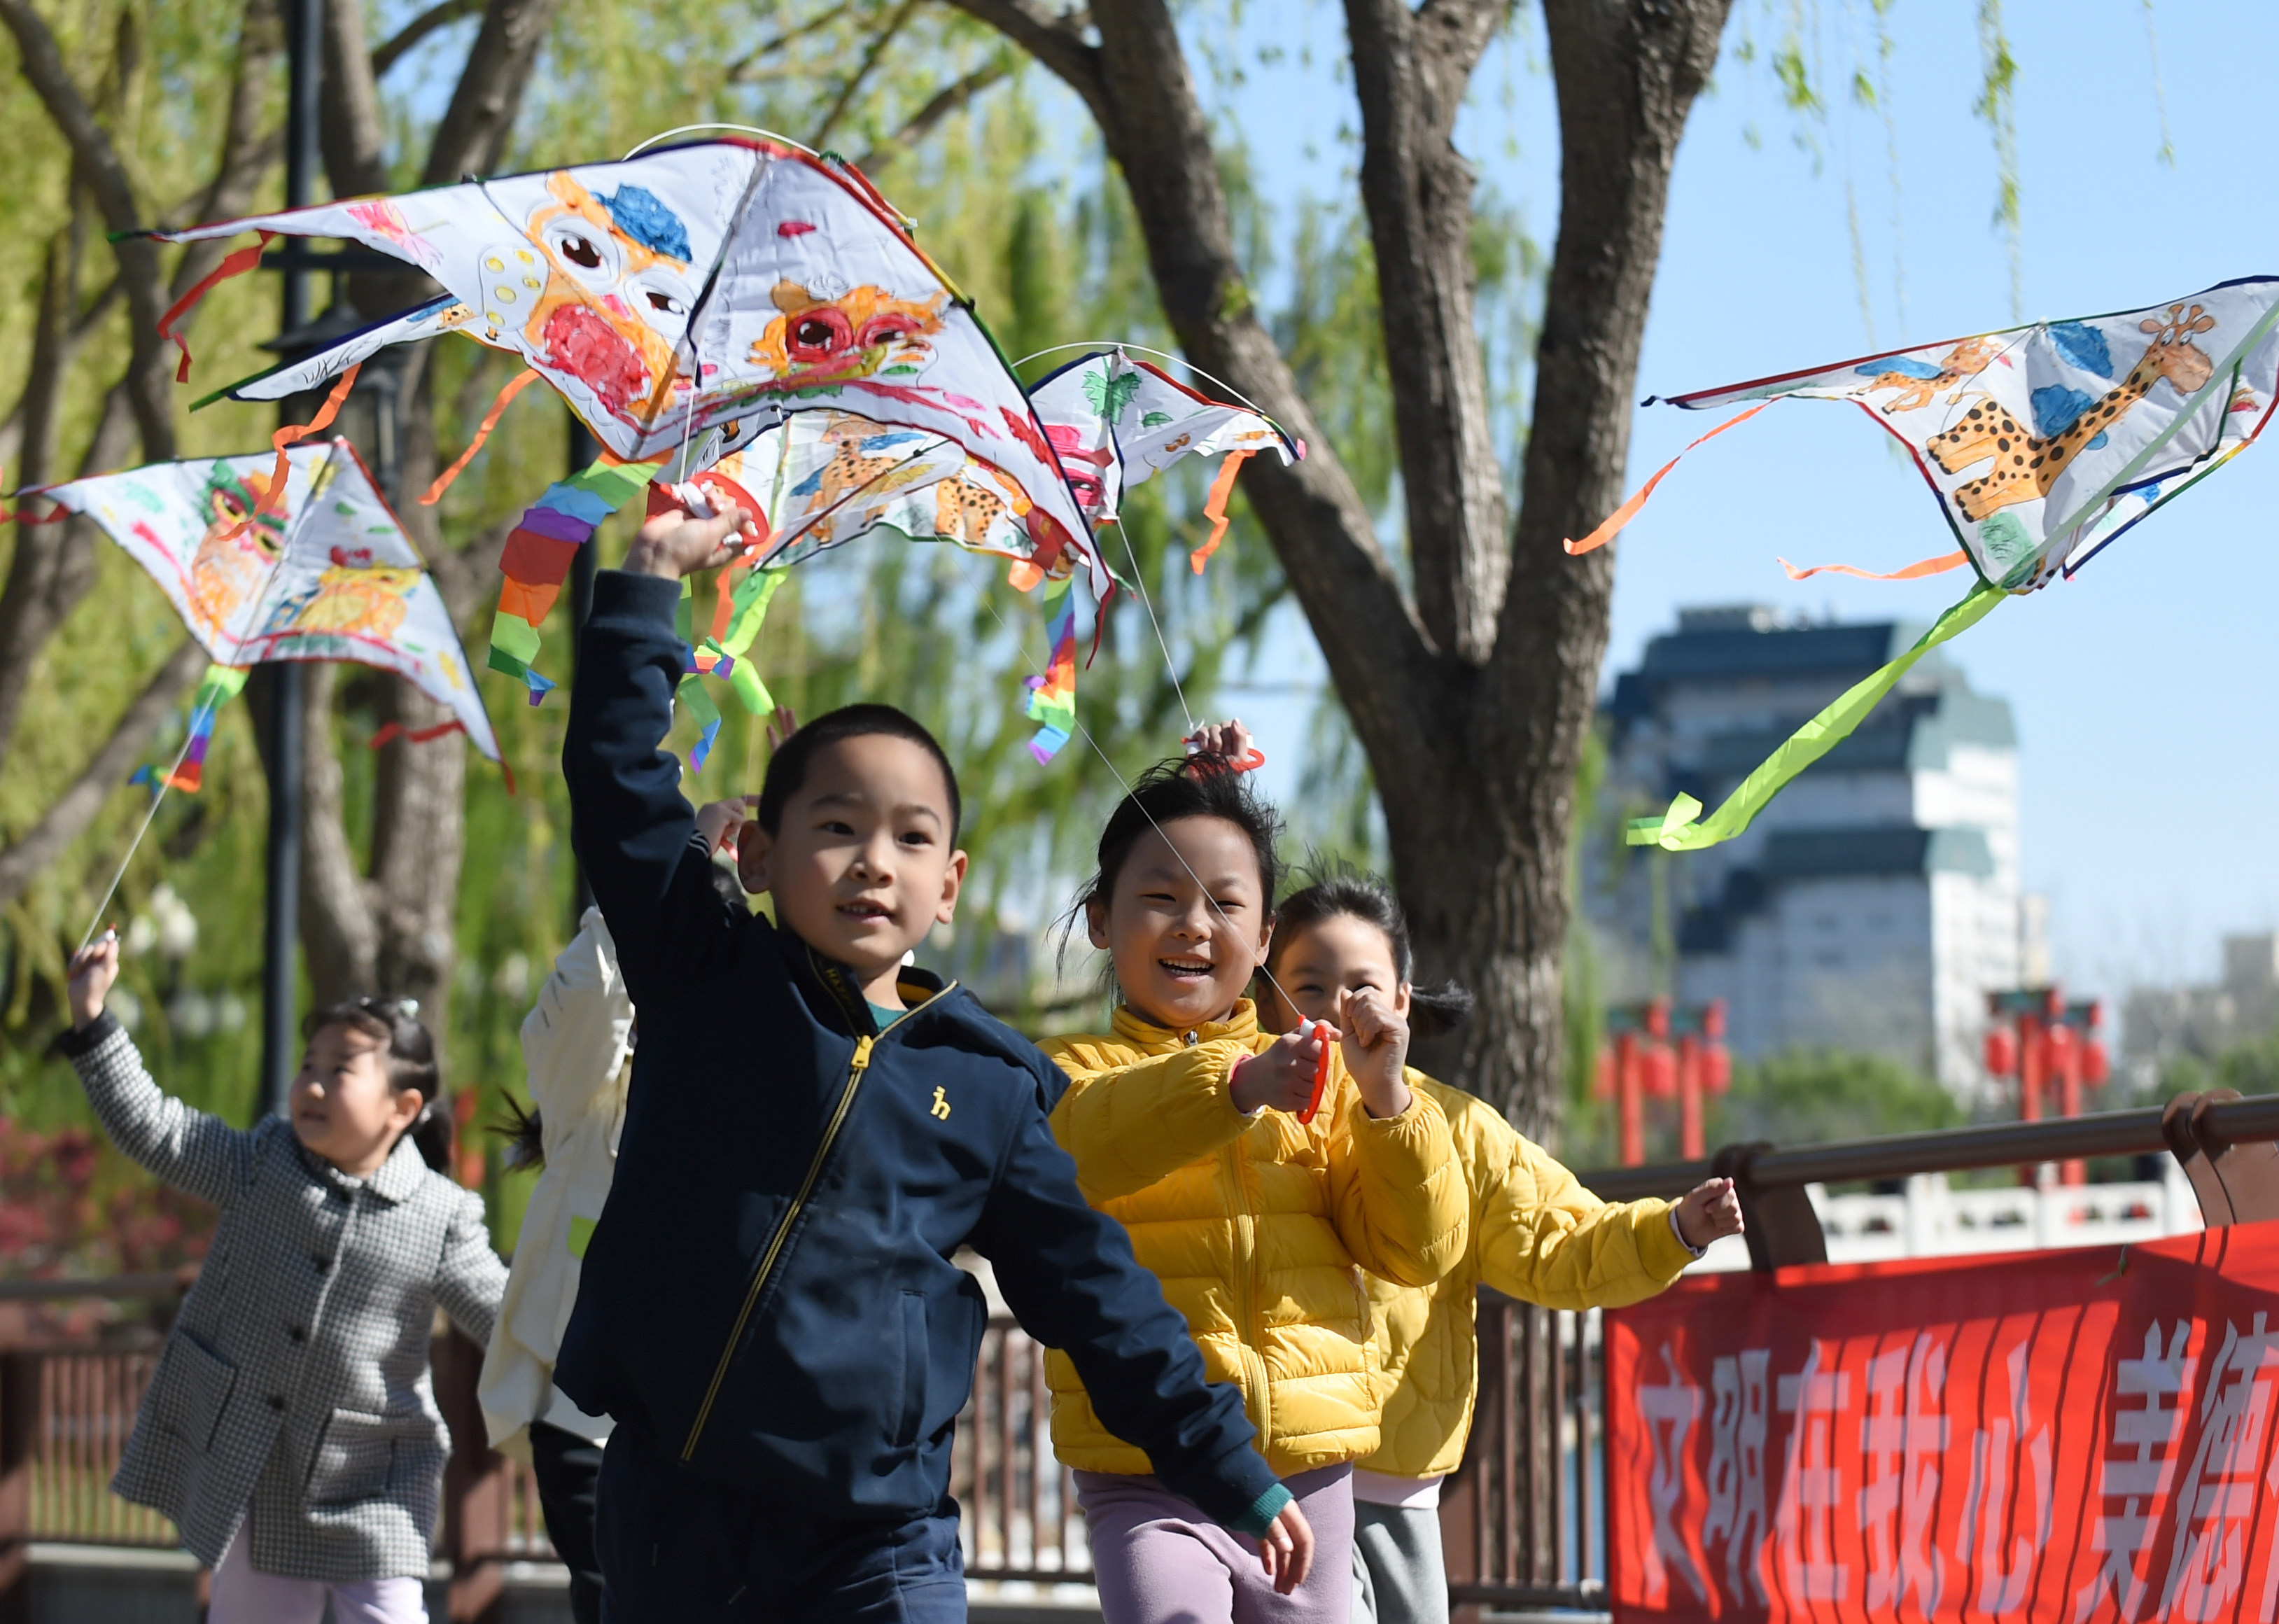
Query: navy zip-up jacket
[(768, 1290)]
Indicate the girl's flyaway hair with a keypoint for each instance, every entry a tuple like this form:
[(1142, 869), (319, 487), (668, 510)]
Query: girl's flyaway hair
[(1198, 786), (1335, 890), (411, 1064), (524, 1133)]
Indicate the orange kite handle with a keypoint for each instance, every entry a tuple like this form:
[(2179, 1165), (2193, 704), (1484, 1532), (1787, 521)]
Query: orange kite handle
[(1916, 570), (1198, 765), (1321, 1084), (1623, 515)]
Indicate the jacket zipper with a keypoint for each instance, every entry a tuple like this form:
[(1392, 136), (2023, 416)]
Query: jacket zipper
[(855, 1067), (1246, 1252)]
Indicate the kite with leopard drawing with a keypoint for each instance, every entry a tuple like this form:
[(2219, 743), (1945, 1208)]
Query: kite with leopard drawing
[(2043, 444)]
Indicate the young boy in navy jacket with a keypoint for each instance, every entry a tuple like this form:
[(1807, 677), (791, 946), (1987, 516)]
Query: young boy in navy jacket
[(768, 1308)]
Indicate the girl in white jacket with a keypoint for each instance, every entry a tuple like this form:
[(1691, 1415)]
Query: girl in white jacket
[(575, 1044)]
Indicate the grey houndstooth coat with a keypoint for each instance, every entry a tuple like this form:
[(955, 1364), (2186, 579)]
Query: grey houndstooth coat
[(296, 1381)]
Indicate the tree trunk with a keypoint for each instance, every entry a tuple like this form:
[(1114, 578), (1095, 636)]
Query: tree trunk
[(1627, 73), (394, 932), (1473, 703)]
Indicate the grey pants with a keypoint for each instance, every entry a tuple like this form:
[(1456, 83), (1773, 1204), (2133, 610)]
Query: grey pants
[(1399, 1577)]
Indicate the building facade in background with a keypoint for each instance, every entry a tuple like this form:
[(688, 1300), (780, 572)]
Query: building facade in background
[(1873, 904), (2159, 1024)]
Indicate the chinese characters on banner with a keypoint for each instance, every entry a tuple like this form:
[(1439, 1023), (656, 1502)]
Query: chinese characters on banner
[(2071, 1437)]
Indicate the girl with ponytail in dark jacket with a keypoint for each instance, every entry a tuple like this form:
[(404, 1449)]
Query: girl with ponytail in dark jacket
[(291, 1431), (1536, 1234)]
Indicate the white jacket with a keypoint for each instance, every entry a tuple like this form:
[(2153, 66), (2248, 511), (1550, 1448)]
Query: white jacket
[(574, 1043)]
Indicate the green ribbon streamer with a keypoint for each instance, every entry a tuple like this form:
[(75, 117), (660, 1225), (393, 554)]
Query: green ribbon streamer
[(1682, 827), (752, 595)]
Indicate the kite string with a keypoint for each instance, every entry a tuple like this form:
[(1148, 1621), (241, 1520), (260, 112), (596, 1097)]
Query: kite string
[(1160, 641), (1022, 649), (134, 846)]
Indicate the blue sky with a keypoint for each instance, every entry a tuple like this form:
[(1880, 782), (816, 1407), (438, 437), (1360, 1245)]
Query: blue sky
[(2142, 688)]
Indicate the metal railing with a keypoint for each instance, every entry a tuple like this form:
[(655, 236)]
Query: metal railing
[(1522, 1520), (1948, 1149), (66, 1411), (1019, 1520)]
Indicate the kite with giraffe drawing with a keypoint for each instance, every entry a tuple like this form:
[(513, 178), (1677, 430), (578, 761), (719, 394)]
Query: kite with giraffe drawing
[(2042, 445)]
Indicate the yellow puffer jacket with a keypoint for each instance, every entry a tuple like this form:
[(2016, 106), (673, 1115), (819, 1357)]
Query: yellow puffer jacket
[(1536, 1234), (1259, 1228)]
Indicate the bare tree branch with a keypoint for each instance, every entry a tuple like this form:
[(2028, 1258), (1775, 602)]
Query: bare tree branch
[(75, 809), (409, 37), (880, 43), (747, 68), (1410, 73), (352, 133), (949, 99), (1156, 130), (473, 133), (106, 178), (1056, 40), (53, 567)]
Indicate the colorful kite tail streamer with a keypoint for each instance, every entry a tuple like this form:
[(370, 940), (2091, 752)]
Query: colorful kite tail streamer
[(500, 402), (1682, 828), (536, 560), (1052, 696), (1623, 515), (691, 693), (235, 263), (1916, 570), (219, 686), (1215, 508)]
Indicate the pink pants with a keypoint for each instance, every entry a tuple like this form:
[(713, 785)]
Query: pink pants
[(1158, 1560), (243, 1596)]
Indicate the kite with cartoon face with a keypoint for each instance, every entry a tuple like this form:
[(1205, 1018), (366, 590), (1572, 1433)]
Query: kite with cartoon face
[(607, 292), (234, 559), (863, 333)]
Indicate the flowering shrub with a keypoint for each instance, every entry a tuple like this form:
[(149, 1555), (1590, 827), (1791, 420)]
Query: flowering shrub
[(71, 1205)]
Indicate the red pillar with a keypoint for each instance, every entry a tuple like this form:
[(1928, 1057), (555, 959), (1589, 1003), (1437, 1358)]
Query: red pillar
[(1629, 1086), (2065, 1047), (1692, 1143)]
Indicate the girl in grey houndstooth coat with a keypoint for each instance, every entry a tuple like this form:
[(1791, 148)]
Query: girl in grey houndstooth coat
[(291, 1430)]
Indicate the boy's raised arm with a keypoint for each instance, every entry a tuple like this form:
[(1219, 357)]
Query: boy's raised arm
[(1069, 1275)]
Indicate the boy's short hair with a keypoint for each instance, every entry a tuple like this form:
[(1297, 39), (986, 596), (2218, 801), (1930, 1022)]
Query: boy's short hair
[(787, 767)]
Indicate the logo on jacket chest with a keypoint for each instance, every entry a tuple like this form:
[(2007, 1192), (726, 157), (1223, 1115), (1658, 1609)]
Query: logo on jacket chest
[(939, 1109)]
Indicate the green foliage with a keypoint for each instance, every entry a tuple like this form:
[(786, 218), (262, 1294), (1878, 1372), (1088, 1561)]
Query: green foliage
[(1997, 106), (1805, 1096), (2252, 1067)]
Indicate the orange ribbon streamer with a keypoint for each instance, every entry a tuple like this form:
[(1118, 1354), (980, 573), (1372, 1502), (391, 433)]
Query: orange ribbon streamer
[(235, 263), (1215, 508), (500, 402), (396, 730), (283, 440), (1916, 570), (1629, 510)]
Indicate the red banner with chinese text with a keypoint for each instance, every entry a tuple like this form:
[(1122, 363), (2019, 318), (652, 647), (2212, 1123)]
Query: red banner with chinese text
[(2079, 1436)]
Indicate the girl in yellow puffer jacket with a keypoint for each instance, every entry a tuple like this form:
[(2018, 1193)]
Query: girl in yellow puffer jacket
[(1536, 1234), (1185, 1122)]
